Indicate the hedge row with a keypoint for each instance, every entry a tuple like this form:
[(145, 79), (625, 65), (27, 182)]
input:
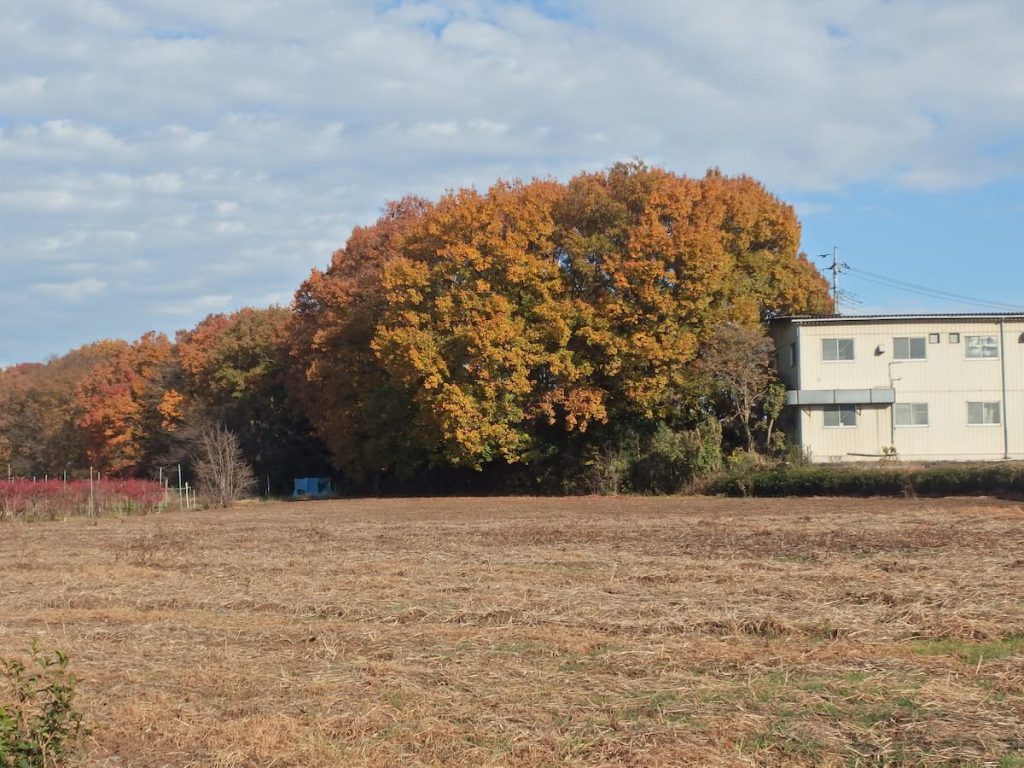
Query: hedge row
[(1003, 480)]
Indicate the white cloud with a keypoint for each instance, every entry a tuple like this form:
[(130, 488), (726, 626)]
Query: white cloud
[(430, 130), (199, 305), (228, 227), (207, 132), (61, 140), (73, 291), (162, 183), (72, 240), (17, 90)]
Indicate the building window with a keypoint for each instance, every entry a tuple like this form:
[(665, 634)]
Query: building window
[(933, 338), (911, 414), (954, 338), (909, 348), (840, 415), (979, 414), (792, 355), (833, 350), (978, 347)]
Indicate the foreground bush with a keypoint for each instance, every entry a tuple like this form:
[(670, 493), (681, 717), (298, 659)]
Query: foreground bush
[(39, 725), (52, 499), (1005, 480)]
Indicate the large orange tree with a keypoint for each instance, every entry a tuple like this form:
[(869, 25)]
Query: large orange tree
[(492, 327)]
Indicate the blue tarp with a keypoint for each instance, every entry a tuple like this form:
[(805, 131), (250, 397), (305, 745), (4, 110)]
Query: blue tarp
[(313, 486)]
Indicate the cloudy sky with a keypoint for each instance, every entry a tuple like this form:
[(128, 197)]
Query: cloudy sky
[(164, 159)]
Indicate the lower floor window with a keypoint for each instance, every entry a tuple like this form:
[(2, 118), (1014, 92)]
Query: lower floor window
[(983, 413), (911, 414), (840, 416)]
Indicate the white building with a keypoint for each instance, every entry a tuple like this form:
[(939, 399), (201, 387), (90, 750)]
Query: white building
[(938, 387)]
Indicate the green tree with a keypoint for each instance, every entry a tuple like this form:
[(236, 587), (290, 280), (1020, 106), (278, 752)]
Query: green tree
[(234, 371)]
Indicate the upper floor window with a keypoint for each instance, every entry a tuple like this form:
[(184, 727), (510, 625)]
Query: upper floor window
[(836, 349), (840, 415), (983, 413), (792, 355), (909, 348), (981, 346), (910, 414)]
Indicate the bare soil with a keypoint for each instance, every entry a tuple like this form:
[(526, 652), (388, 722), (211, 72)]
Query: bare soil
[(536, 632)]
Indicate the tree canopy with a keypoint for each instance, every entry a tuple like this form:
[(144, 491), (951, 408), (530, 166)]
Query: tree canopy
[(490, 318)]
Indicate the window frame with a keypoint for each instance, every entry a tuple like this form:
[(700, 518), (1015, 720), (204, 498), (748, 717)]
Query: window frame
[(967, 347), (853, 350), (839, 408), (998, 409), (954, 337), (911, 424), (910, 348)]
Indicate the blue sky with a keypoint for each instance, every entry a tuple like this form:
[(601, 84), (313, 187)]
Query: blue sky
[(164, 159)]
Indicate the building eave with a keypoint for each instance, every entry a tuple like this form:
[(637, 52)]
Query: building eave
[(899, 318)]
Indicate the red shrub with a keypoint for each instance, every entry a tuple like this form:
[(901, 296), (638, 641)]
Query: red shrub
[(51, 499)]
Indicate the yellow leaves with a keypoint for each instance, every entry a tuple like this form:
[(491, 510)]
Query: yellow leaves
[(579, 407), (494, 316), (171, 409), (473, 431)]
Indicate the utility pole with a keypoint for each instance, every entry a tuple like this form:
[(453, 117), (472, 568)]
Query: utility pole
[(837, 267)]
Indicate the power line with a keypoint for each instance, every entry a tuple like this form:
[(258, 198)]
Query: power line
[(849, 298), (930, 294), (934, 293)]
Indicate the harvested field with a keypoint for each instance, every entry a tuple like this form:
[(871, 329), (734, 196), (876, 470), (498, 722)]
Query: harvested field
[(536, 632)]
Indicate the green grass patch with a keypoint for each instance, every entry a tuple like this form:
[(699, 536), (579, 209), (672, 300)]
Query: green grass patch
[(783, 743), (970, 651)]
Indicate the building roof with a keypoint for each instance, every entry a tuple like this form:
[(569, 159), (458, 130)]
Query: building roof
[(965, 316)]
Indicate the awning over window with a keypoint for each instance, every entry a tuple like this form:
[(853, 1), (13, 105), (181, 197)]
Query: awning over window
[(875, 396)]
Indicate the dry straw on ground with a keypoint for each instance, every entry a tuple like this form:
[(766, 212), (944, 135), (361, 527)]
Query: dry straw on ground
[(527, 632)]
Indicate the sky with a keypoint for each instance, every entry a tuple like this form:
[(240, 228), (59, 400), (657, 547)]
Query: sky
[(161, 160)]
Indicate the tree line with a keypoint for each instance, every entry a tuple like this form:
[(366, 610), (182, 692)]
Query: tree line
[(599, 334)]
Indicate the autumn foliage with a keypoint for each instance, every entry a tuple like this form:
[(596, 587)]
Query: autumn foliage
[(499, 327), (519, 332)]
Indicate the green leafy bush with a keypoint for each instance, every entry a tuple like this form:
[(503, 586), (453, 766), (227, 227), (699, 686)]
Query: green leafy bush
[(39, 725), (672, 460), (661, 461)]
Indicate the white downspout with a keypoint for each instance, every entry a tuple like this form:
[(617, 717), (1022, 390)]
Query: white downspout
[(1002, 370)]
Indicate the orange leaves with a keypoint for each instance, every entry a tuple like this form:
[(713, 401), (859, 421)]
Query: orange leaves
[(120, 402), (360, 411), (468, 321), (489, 318), (171, 409)]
